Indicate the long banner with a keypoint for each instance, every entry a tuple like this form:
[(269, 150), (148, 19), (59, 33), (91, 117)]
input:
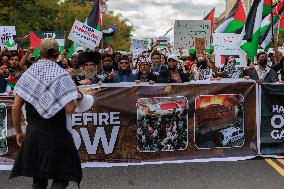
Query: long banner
[(132, 123), (196, 121)]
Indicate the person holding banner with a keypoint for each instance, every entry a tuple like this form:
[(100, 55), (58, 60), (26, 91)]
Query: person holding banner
[(47, 148), (177, 75), (124, 73), (159, 69), (230, 70), (144, 73), (262, 73), (90, 63)]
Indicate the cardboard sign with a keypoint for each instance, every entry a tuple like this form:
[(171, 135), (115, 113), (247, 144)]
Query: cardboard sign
[(85, 35), (187, 30), (199, 45), (138, 46), (6, 37), (225, 45)]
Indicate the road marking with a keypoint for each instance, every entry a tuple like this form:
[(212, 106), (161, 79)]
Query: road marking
[(281, 161), (275, 166)]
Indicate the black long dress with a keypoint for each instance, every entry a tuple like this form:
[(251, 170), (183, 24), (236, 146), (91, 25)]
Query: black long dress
[(48, 150)]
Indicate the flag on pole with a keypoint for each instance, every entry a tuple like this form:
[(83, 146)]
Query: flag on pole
[(251, 31), (235, 20), (266, 39), (35, 41), (276, 12), (95, 17), (267, 8), (210, 17)]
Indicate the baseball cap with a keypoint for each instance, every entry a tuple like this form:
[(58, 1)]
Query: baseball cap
[(173, 56)]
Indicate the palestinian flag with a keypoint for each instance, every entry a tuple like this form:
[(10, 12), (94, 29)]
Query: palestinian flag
[(277, 11), (225, 57), (210, 17), (281, 24), (235, 20), (251, 31), (94, 19), (267, 8), (11, 81), (71, 50), (266, 39), (37, 36)]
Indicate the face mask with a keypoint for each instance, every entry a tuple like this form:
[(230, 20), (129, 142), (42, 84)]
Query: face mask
[(262, 62), (202, 64)]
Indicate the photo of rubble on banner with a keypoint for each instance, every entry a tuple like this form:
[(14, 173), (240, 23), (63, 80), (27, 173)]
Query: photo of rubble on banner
[(219, 121), (162, 124)]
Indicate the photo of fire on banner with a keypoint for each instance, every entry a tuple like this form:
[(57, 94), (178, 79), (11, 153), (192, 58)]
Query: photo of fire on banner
[(162, 124), (219, 121)]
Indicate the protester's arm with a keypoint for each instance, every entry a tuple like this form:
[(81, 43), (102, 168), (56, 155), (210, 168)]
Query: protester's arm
[(22, 63), (71, 106), (16, 115)]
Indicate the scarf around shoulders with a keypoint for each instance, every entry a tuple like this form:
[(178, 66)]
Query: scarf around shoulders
[(46, 86)]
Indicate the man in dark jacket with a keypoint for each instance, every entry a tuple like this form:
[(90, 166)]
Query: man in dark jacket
[(262, 73), (124, 73), (158, 69)]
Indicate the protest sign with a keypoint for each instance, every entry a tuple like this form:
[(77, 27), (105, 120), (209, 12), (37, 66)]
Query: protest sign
[(162, 42), (226, 45), (272, 120), (7, 34), (187, 30), (149, 42), (161, 123), (138, 46), (199, 45), (85, 35)]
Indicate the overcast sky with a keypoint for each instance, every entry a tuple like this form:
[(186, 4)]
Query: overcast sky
[(152, 18)]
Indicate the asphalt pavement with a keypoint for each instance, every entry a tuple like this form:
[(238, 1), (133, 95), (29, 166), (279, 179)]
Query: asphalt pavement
[(249, 174)]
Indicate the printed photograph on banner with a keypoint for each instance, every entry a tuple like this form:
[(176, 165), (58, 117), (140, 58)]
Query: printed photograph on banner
[(219, 121), (162, 124), (3, 129)]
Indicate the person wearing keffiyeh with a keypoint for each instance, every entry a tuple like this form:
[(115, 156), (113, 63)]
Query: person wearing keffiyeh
[(47, 149)]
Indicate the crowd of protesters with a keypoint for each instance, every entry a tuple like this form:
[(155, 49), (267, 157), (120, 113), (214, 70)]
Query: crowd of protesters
[(153, 66)]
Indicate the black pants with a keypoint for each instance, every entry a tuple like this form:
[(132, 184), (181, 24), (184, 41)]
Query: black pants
[(42, 184)]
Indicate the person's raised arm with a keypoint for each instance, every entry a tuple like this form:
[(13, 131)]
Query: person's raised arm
[(22, 63)]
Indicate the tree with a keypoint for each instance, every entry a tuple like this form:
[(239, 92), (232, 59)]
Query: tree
[(55, 15)]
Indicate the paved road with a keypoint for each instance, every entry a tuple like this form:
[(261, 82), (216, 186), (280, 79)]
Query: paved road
[(250, 174)]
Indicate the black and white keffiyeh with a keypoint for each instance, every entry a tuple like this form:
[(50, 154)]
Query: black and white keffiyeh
[(47, 87)]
